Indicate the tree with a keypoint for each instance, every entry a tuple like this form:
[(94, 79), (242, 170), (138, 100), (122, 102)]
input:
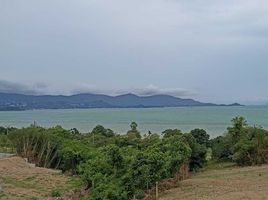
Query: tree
[(221, 147), (150, 139), (3, 130), (252, 147), (114, 157), (102, 131), (94, 169), (238, 126), (133, 132), (133, 126), (74, 131), (72, 153), (171, 132), (198, 153), (176, 153), (200, 136)]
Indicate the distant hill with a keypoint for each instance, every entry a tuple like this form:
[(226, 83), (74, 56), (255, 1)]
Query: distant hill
[(25, 102)]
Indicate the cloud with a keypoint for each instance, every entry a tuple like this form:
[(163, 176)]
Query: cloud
[(141, 91), (43, 88), (154, 90), (22, 88)]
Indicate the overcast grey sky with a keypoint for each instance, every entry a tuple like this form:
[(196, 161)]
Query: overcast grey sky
[(215, 51)]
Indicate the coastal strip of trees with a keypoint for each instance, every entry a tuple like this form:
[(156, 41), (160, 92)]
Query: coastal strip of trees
[(126, 166)]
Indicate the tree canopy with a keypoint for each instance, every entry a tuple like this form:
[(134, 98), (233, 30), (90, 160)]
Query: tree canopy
[(121, 166)]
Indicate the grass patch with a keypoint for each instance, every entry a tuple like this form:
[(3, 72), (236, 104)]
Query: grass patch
[(75, 183), (17, 183), (218, 165), (57, 192), (31, 178)]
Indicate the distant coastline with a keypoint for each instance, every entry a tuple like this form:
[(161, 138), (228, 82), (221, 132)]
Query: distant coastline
[(21, 102), (80, 108)]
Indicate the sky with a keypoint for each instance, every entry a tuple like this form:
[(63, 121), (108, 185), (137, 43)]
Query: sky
[(212, 51)]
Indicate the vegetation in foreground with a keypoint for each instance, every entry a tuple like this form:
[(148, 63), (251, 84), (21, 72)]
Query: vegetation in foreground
[(120, 167)]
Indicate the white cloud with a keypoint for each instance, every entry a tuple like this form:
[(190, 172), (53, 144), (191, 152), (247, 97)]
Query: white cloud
[(42, 88), (154, 90)]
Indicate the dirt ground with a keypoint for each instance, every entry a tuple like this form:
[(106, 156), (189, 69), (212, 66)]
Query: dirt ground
[(20, 180), (232, 183)]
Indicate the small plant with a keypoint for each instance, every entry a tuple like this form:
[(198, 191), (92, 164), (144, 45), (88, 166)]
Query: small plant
[(139, 194), (56, 193)]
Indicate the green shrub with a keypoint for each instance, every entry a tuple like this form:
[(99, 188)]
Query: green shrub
[(242, 144), (56, 192), (139, 194)]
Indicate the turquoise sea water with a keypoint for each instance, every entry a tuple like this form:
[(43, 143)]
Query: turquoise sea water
[(214, 120)]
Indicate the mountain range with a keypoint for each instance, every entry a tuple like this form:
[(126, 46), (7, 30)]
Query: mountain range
[(9, 101)]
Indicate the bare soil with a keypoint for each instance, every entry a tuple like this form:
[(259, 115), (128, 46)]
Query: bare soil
[(232, 183), (20, 180)]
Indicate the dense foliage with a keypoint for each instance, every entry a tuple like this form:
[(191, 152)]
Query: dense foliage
[(114, 166), (120, 167), (5, 143), (242, 144)]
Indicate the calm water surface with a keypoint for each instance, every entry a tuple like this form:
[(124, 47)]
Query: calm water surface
[(214, 120)]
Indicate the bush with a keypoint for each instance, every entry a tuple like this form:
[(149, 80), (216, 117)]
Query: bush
[(139, 194), (252, 148), (242, 144)]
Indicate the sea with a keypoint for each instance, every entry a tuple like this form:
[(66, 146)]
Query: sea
[(214, 120)]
